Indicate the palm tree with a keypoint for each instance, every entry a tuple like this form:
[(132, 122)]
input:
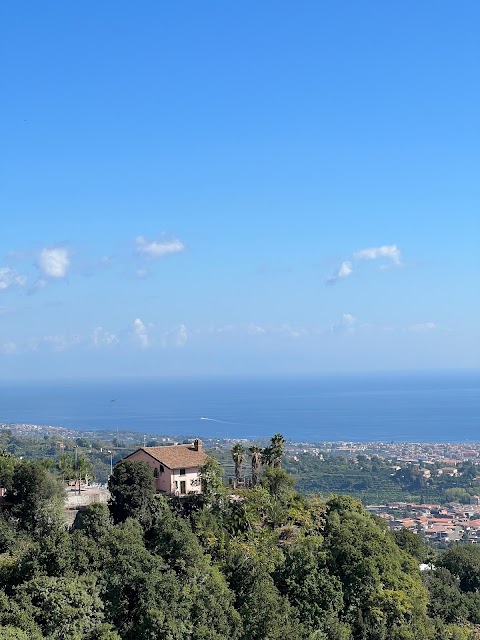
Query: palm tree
[(277, 446), (84, 469), (75, 468), (66, 465), (238, 451), (256, 456), (267, 456)]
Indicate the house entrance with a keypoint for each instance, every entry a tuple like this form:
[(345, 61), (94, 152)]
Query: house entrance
[(183, 488)]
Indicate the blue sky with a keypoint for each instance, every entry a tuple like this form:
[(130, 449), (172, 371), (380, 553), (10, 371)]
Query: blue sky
[(216, 188)]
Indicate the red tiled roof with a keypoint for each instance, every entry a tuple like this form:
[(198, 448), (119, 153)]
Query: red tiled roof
[(442, 521), (472, 523), (176, 456)]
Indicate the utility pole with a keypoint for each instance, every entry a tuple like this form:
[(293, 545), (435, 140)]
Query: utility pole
[(111, 461)]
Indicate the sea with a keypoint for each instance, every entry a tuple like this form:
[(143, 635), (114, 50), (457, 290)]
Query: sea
[(381, 407)]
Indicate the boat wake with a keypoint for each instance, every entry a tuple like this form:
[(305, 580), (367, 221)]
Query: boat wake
[(220, 421)]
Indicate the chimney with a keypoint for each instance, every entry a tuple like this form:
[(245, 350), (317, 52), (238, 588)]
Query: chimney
[(197, 445)]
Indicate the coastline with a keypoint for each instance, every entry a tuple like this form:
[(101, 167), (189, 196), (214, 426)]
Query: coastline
[(458, 451)]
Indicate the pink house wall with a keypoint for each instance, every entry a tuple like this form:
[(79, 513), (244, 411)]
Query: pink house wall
[(169, 480)]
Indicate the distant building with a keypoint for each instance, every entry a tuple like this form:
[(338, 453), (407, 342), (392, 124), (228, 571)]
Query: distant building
[(448, 471), (175, 468)]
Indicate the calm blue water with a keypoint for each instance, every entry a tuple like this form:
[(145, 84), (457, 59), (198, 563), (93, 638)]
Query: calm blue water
[(400, 407)]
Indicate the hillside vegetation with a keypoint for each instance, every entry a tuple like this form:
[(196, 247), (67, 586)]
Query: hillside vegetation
[(260, 564)]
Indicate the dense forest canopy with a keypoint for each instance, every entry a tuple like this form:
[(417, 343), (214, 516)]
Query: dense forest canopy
[(261, 563)]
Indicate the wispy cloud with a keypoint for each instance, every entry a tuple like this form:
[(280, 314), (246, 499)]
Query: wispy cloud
[(423, 327), (153, 249), (182, 336), (288, 331), (93, 267), (40, 283), (347, 324), (343, 272), (256, 330), (10, 278), (103, 338), (8, 347), (388, 251), (176, 337), (61, 342)]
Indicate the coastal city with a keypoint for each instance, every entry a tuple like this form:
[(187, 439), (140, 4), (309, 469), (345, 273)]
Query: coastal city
[(448, 452)]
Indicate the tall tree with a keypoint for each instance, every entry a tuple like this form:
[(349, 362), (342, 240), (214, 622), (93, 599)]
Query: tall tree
[(267, 457), (278, 484), (75, 468), (65, 465), (83, 470), (94, 520), (277, 446), (211, 473), (7, 465), (238, 452), (256, 456), (36, 498), (131, 487), (463, 561)]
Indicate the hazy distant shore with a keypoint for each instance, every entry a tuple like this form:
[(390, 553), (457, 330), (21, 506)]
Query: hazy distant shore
[(408, 451)]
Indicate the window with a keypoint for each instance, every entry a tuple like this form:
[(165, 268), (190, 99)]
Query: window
[(183, 488), (182, 472), (162, 468), (155, 473)]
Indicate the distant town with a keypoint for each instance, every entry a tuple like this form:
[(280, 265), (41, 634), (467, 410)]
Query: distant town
[(440, 522), (448, 452)]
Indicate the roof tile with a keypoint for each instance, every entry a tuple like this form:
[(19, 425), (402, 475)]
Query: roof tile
[(177, 456)]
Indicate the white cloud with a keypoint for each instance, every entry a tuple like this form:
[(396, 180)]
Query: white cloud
[(141, 334), (389, 251), (343, 272), (102, 338), (158, 248), (10, 278), (141, 273), (8, 347), (54, 262)]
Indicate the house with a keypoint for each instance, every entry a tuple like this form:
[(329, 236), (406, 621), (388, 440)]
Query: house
[(448, 471), (175, 467)]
